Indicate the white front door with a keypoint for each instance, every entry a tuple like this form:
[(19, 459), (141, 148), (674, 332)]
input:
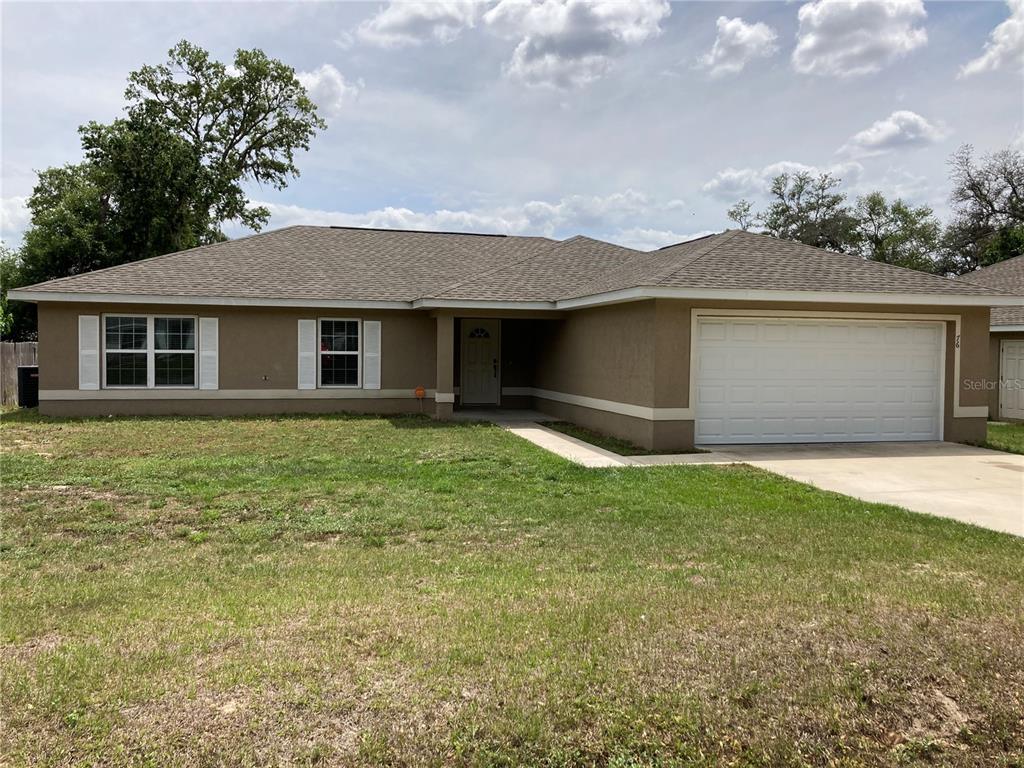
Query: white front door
[(1011, 380), (481, 348), (789, 380)]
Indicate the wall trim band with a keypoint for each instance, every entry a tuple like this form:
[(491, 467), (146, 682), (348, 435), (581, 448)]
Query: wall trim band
[(625, 409), (230, 394)]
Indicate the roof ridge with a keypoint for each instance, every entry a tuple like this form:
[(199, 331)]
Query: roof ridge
[(150, 259), (720, 238), (862, 260), (477, 275), (632, 254), (997, 267)]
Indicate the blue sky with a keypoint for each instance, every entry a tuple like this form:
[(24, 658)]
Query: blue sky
[(637, 122)]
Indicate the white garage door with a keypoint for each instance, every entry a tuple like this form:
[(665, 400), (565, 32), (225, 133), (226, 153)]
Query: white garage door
[(786, 380)]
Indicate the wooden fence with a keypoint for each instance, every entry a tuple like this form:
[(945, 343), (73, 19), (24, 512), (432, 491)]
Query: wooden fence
[(13, 354)]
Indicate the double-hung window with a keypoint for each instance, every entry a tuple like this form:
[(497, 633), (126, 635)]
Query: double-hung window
[(339, 353), (149, 351)]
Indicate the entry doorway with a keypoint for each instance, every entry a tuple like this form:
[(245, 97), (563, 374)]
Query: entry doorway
[(481, 361), (1011, 380)]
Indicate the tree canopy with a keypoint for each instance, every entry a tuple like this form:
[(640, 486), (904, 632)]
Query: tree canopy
[(896, 233), (169, 174), (987, 224), (809, 209), (988, 210)]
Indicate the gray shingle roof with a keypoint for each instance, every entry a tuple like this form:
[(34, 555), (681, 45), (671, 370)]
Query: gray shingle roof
[(311, 263), (749, 261), (1005, 276), (349, 264), (547, 275)]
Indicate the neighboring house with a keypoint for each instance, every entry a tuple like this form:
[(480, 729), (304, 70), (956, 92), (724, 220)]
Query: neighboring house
[(1006, 342), (731, 338)]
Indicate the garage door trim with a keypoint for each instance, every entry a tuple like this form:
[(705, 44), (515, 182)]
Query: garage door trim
[(806, 315)]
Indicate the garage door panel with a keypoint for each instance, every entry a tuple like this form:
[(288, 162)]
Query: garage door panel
[(894, 394), (712, 331), (818, 380)]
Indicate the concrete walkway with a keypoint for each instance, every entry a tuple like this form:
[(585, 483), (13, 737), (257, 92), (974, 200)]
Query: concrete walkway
[(525, 424)]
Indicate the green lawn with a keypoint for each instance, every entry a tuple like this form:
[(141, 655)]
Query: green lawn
[(1004, 436), (325, 591)]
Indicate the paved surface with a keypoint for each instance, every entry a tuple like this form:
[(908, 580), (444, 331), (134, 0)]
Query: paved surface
[(524, 424), (973, 485)]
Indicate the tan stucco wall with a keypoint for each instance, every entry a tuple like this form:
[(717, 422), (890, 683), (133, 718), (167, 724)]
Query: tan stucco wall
[(650, 341), (258, 351), (605, 352), (636, 353), (994, 374), (258, 346), (229, 407)]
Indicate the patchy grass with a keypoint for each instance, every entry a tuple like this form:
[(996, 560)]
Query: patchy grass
[(1005, 436), (601, 440), (367, 591)]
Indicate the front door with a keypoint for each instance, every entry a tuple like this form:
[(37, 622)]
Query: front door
[(481, 347), (1011, 380)]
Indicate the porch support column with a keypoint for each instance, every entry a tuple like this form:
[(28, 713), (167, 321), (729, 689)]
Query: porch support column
[(445, 397)]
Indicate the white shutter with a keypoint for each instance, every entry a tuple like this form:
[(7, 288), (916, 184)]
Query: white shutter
[(371, 354), (88, 351), (209, 345), (307, 354)]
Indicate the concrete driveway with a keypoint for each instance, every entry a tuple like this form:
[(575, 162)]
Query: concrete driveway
[(973, 485)]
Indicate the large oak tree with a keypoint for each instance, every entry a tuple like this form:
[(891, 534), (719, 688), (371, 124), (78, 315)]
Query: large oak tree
[(169, 174)]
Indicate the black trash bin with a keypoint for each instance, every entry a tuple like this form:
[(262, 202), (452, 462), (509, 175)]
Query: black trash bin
[(28, 386)]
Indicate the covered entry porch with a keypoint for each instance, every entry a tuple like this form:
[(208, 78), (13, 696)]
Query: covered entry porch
[(487, 361)]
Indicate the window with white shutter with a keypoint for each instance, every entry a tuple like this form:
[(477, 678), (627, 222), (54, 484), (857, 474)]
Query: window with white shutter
[(371, 354), (209, 344), (88, 351), (307, 354)]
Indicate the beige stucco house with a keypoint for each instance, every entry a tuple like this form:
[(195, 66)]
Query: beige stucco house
[(731, 338), (1006, 340)]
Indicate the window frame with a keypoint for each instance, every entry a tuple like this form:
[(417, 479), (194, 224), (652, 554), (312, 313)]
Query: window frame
[(358, 354), (150, 351)]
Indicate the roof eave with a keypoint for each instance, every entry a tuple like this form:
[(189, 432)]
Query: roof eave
[(610, 297), (481, 304), (221, 301), (826, 297)]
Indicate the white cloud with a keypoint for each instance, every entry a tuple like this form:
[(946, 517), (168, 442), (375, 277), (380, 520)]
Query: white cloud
[(902, 129), (566, 43), (412, 23), (733, 183), (856, 37), (1005, 46), (737, 44), (14, 218), (573, 213), (328, 89)]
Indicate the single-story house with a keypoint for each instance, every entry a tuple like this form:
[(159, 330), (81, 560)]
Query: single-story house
[(731, 338), (1006, 340)]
